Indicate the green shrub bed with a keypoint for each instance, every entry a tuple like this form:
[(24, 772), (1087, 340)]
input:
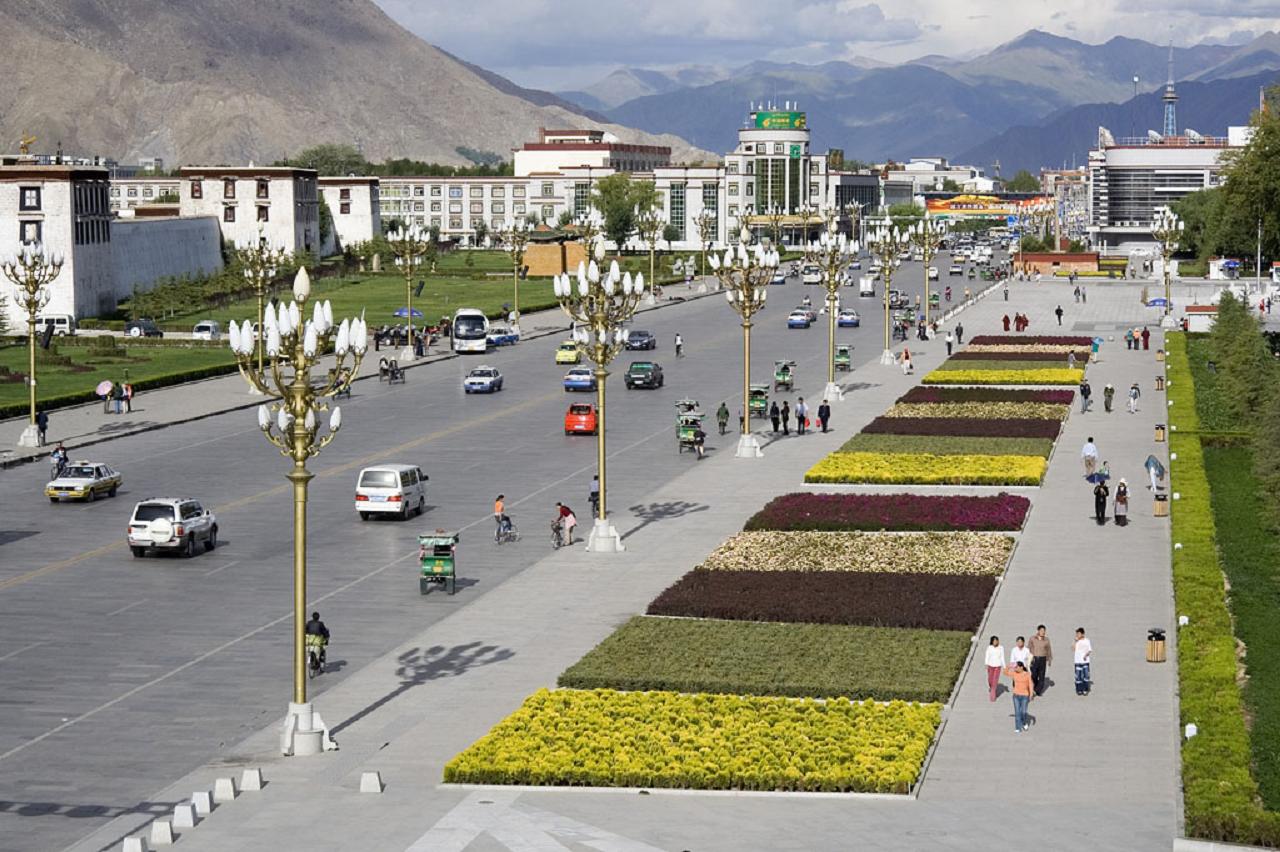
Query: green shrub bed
[(947, 445)]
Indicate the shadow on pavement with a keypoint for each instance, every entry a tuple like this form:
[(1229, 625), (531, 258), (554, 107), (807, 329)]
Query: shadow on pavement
[(655, 512)]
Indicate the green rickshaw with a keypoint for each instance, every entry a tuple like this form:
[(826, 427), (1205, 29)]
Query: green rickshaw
[(437, 553), (687, 425), (784, 374), (844, 357), (758, 400), (934, 300)]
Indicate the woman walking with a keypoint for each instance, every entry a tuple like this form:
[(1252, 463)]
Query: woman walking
[(1021, 695), (774, 415), (1100, 494), (995, 665), (1134, 395), (1122, 503), (786, 418), (1108, 395)]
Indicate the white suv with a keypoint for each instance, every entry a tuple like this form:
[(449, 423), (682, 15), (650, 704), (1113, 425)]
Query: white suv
[(171, 523)]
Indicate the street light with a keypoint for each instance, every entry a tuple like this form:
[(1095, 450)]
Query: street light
[(886, 243), (517, 240), (745, 276), (649, 226), (599, 303), (707, 227), (408, 243), (774, 215), (832, 251), (32, 270), (928, 235), (1166, 227), (294, 346), (260, 264)]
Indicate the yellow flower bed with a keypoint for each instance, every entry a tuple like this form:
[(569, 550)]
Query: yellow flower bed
[(1047, 376), (928, 469), (604, 738), (967, 553), (981, 410)]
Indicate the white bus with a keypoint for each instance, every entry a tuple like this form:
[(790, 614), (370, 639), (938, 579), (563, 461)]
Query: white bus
[(470, 330)]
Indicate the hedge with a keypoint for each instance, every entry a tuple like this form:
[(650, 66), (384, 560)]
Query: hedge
[(1045, 376), (997, 364), (969, 427), (920, 393), (797, 660), (603, 738), (928, 469), (947, 445), (921, 601), (805, 510)]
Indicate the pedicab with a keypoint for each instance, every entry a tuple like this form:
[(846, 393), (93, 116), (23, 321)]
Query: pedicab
[(437, 552), (687, 425), (934, 300), (784, 374), (758, 400), (844, 357)]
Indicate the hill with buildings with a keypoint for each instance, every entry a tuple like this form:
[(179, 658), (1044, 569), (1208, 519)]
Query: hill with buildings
[(232, 81)]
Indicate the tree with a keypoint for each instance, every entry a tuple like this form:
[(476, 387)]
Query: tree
[(481, 231), (616, 199), (331, 159), (326, 220), (948, 185), (1251, 191), (905, 215), (565, 220), (670, 233), (1023, 181)]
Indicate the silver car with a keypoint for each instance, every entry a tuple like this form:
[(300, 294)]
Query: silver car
[(171, 523)]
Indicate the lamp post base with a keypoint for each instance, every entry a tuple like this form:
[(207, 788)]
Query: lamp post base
[(304, 732), (650, 299), (30, 436), (406, 355), (887, 359), (749, 447), (832, 392), (604, 538), (1168, 322)]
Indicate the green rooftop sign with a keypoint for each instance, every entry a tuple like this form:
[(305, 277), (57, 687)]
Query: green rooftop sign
[(780, 121)]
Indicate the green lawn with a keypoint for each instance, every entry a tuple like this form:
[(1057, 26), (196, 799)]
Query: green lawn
[(948, 445)]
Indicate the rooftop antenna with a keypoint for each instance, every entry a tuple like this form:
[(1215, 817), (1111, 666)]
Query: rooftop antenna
[(1170, 98), (1133, 108)]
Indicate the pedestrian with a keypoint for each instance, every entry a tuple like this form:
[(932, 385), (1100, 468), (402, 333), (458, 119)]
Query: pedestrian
[(1128, 338), (1083, 655), (1006, 292), (995, 665), (1122, 503), (1071, 360), (722, 418), (128, 397), (1134, 395), (1021, 689), (802, 416), (1085, 393), (1005, 321), (1146, 338), (1020, 653), (117, 395), (786, 417), (1100, 494), (699, 442), (1058, 313), (106, 398), (1108, 394), (824, 415), (42, 425), (968, 294), (907, 366), (1104, 472), (1076, 293), (1041, 658), (1089, 453), (775, 415), (1084, 295), (950, 340), (960, 334)]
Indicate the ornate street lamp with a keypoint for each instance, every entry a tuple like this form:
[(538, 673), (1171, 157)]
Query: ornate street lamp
[(886, 242), (1166, 227), (706, 224), (832, 251), (294, 346), (774, 215), (32, 270), (928, 234), (517, 240), (260, 265), (745, 276), (408, 244), (599, 303), (649, 226), (809, 214)]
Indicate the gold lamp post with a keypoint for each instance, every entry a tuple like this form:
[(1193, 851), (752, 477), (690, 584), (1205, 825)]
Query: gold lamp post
[(295, 344), (1166, 227), (886, 242), (745, 275), (517, 240), (600, 302), (649, 227), (32, 270), (706, 224), (260, 264), (832, 251), (928, 234), (408, 244), (808, 215)]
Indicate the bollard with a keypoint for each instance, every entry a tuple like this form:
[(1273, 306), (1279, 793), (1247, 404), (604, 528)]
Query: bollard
[(202, 801), (136, 844), (1159, 355), (224, 790), (161, 833), (251, 779), (184, 815), (370, 782)]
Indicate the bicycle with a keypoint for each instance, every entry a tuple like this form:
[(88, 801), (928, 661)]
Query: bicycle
[(507, 533), (315, 655), (557, 535)]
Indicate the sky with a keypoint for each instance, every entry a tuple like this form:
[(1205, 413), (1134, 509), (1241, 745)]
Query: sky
[(569, 44)]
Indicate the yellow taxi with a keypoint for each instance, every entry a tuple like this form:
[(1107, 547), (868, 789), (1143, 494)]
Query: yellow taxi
[(83, 480), (568, 353)]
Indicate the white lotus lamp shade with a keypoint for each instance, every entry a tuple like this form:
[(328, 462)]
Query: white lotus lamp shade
[(317, 316), (609, 285), (615, 271), (273, 341), (328, 315), (233, 334), (309, 422), (335, 419), (295, 317), (599, 250), (310, 340), (359, 335), (593, 271), (283, 419), (264, 418), (715, 262), (639, 282), (728, 294), (742, 254), (584, 287), (728, 258), (628, 285), (745, 235), (343, 342), (555, 285), (301, 285)]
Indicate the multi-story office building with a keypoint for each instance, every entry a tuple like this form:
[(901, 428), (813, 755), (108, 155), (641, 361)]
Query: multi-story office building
[(278, 204), (354, 206), (128, 193), (558, 149), (929, 174)]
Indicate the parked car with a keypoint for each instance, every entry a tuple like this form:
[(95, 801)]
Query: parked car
[(580, 419), (208, 330), (482, 379), (171, 523), (848, 318), (501, 334), (638, 339), (391, 489), (83, 480), (142, 328), (643, 374), (63, 324), (568, 353), (799, 319), (580, 379)]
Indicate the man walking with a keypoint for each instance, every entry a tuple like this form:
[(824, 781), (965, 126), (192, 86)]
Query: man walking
[(1085, 393), (1108, 394), (1058, 313), (786, 418), (42, 425), (1146, 338), (1089, 453), (950, 340), (1084, 295), (1083, 654), (824, 415), (1134, 394), (774, 415), (1041, 658), (960, 334), (802, 414)]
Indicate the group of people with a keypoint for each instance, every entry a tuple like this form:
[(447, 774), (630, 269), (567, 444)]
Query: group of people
[(1080, 294), (1099, 477), (118, 399), (1027, 669), (1136, 339), (782, 416), (1019, 322)]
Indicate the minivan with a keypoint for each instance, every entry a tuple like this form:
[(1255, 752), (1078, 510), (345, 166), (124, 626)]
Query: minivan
[(63, 324), (811, 274), (391, 489), (207, 330)]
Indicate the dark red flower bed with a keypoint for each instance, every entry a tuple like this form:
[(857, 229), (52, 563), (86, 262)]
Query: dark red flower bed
[(912, 512), (1061, 357), (933, 393), (924, 601), (1029, 340), (965, 427)]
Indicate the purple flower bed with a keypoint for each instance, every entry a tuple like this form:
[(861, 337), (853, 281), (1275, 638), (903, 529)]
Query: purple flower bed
[(910, 512), (965, 427), (1030, 340), (923, 393), (1082, 356)]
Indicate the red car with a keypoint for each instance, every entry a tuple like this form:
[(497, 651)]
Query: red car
[(580, 419)]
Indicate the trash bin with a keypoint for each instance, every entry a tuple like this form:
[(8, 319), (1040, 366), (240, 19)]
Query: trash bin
[(1160, 431), (1155, 645), (1159, 383), (1161, 509), (1159, 355)]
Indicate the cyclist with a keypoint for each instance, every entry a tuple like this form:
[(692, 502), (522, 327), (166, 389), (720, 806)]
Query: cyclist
[(722, 417), (317, 636), (565, 520), (594, 495), (59, 459), (679, 345), (501, 521), (699, 442)]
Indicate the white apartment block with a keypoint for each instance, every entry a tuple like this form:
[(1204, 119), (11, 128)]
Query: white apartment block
[(929, 174), (355, 206), (559, 149), (278, 204), (128, 193)]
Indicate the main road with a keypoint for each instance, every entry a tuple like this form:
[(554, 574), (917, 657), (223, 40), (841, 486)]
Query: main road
[(122, 674)]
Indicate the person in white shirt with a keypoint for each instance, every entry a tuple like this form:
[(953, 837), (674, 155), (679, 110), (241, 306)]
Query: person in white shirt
[(1089, 453), (1020, 653), (1083, 656), (995, 665)]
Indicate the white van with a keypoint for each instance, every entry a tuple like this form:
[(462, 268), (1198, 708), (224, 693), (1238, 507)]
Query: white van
[(867, 285), (811, 273), (208, 330), (63, 324), (391, 489)]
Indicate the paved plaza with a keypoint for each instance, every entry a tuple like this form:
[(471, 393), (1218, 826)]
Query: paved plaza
[(172, 673)]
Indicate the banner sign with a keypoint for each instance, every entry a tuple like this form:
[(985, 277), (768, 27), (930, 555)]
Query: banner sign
[(780, 121)]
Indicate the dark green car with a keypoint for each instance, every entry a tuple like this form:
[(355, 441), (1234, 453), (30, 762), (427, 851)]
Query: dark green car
[(643, 374)]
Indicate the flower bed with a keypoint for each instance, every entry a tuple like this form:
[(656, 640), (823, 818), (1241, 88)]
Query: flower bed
[(1037, 348), (983, 410), (602, 738), (992, 364), (750, 658), (947, 445), (1030, 340), (928, 469), (979, 553), (920, 393), (1047, 376), (972, 427), (1019, 354), (919, 601), (806, 511)]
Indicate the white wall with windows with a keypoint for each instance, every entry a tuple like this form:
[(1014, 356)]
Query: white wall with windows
[(278, 204)]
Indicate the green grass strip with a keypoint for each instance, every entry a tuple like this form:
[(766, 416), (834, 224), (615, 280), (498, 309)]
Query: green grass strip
[(947, 445)]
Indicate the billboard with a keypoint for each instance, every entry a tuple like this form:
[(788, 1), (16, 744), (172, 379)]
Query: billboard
[(774, 120), (978, 207)]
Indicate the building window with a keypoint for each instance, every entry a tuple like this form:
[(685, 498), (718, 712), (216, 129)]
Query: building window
[(498, 223), (499, 192), (677, 216), (733, 210), (344, 195), (477, 192), (477, 208), (548, 213), (779, 148), (344, 207), (517, 192), (264, 188), (115, 192), (751, 188), (748, 148), (455, 224), (581, 198), (455, 192), (710, 198), (264, 213), (435, 222), (548, 190), (435, 192), (29, 198), (228, 188), (228, 213), (455, 206), (499, 207), (731, 168), (733, 189), (435, 207), (418, 206), (132, 192), (518, 208), (418, 191), (30, 232)]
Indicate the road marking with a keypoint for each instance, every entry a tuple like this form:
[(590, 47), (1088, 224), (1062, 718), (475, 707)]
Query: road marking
[(20, 650), (126, 607), (223, 567)]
